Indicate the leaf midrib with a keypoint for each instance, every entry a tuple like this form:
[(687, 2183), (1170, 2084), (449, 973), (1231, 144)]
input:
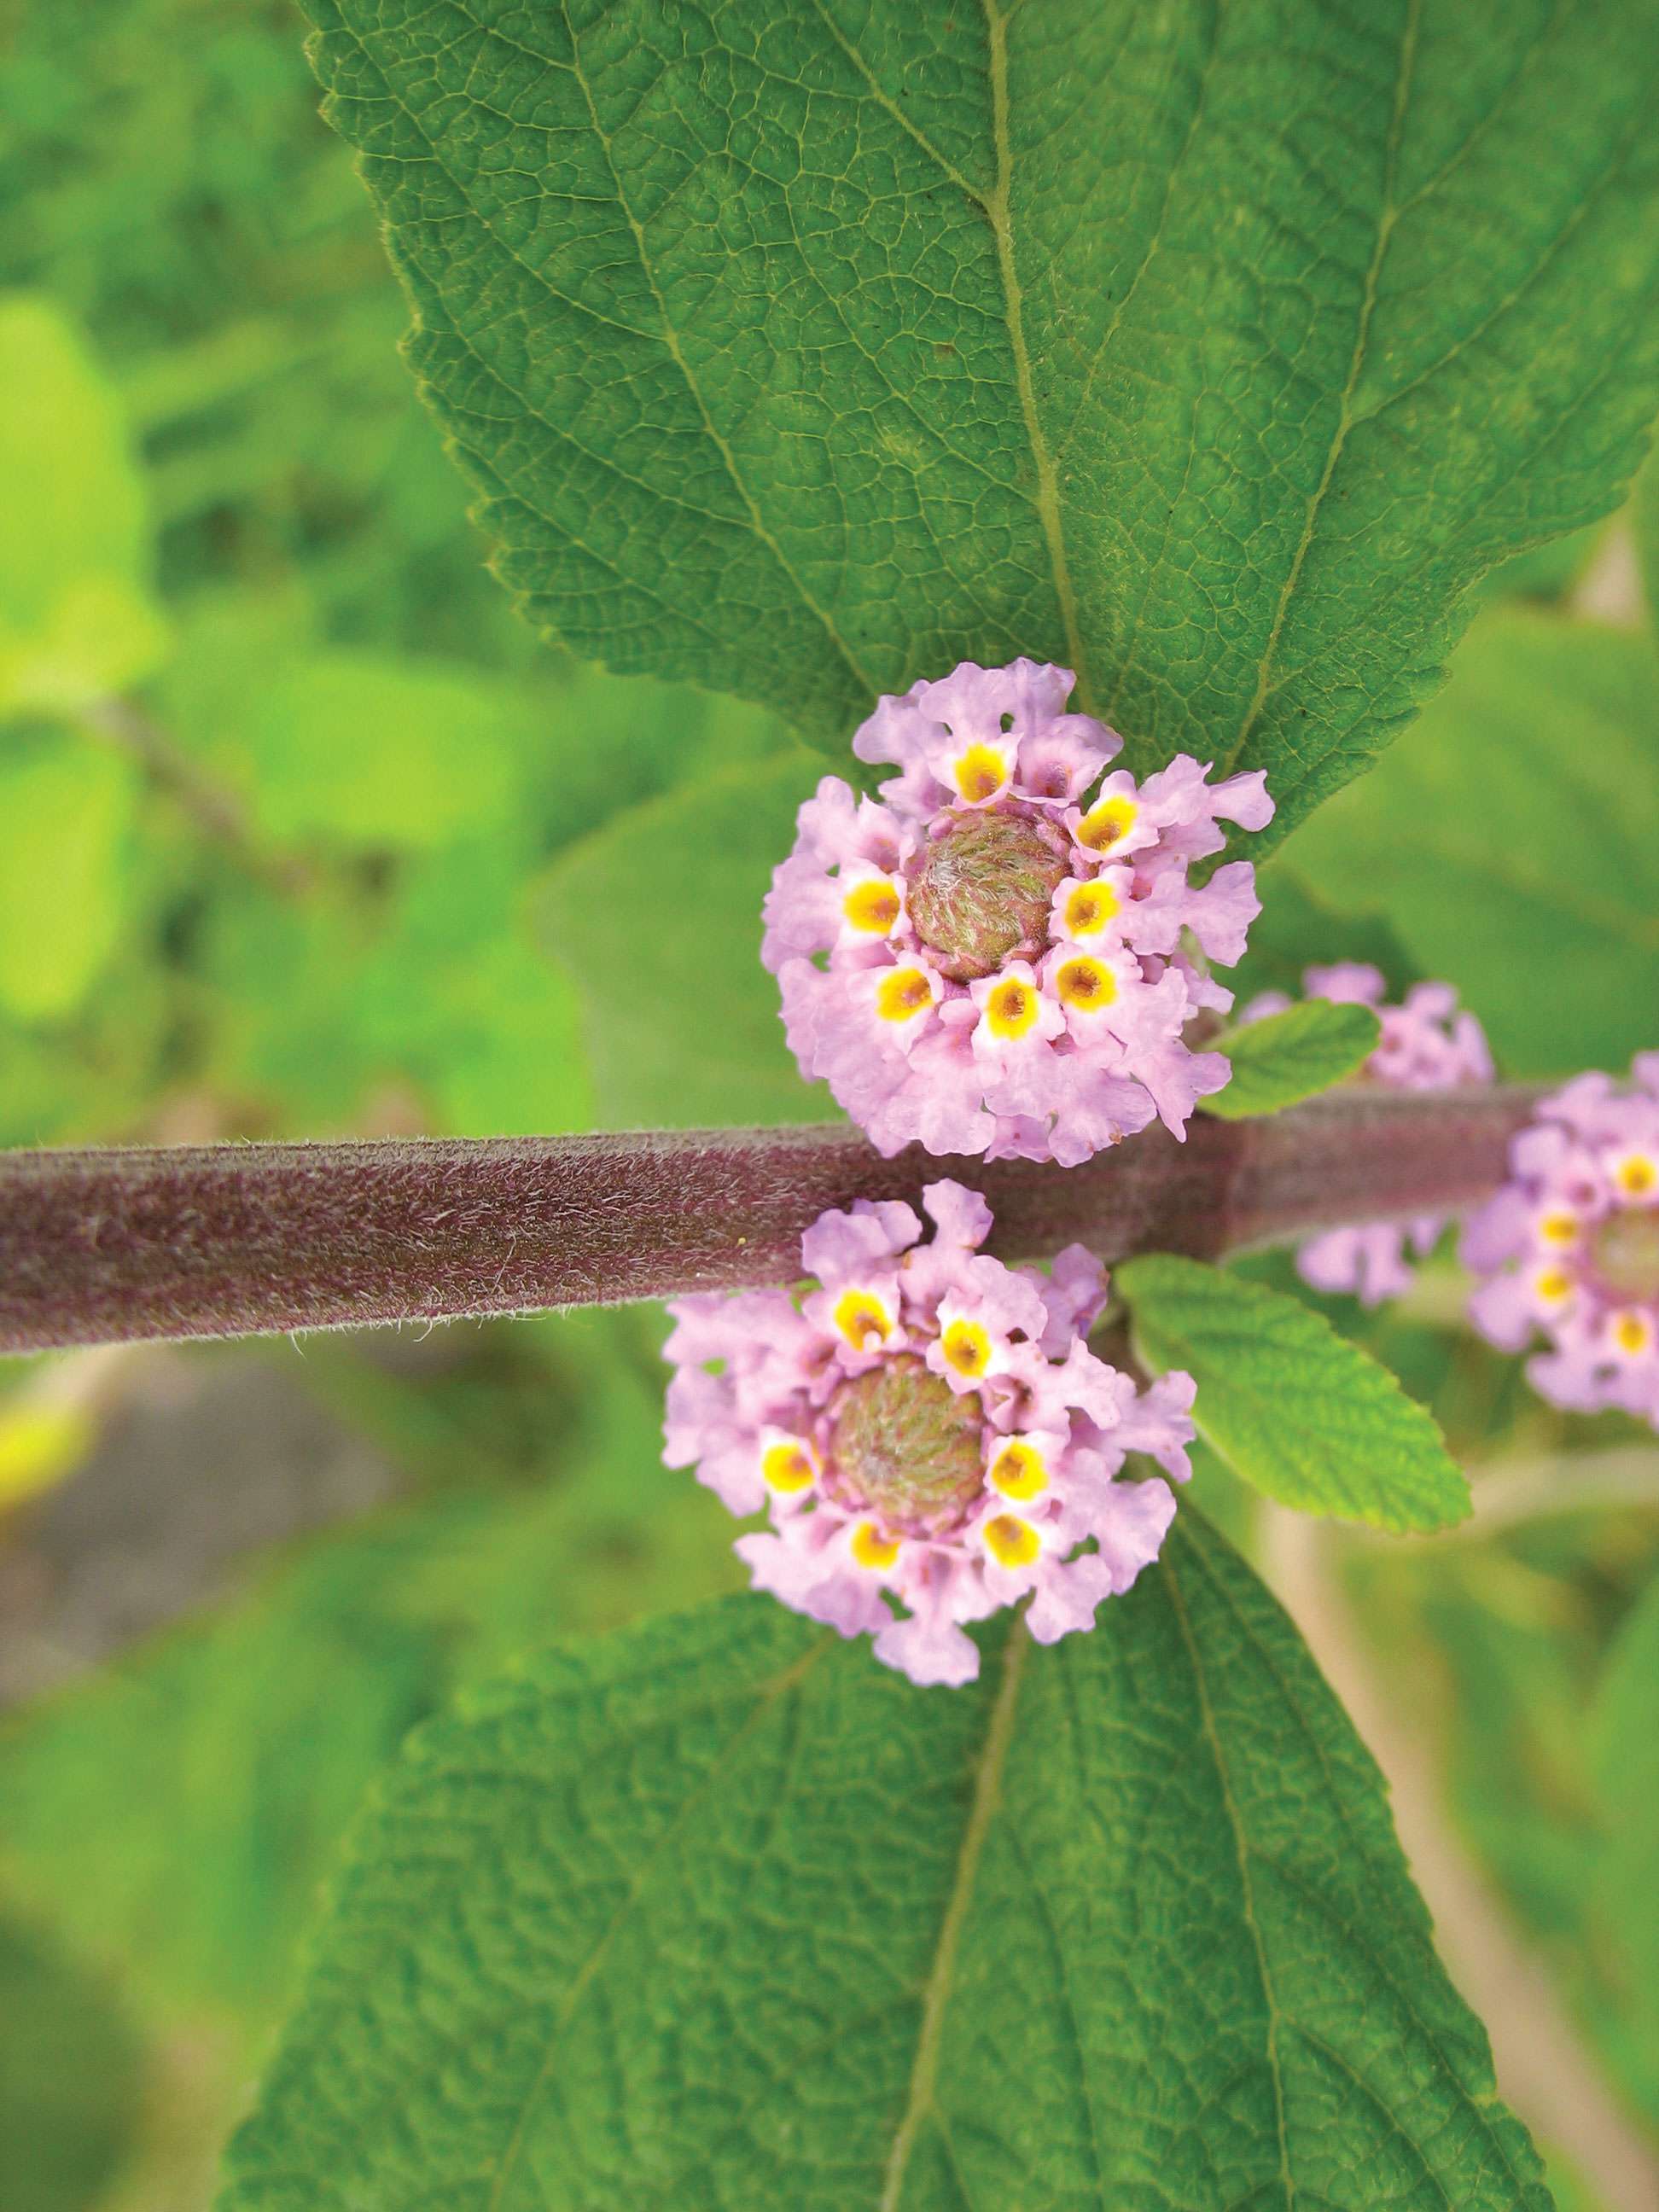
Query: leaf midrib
[(988, 1779), (998, 209), (1387, 217)]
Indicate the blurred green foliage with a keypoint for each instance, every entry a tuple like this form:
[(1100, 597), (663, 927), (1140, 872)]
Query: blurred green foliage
[(1503, 1649), (177, 1813), (70, 2077), (278, 768), (1511, 835), (301, 832)]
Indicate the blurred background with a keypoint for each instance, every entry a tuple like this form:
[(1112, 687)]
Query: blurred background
[(303, 833)]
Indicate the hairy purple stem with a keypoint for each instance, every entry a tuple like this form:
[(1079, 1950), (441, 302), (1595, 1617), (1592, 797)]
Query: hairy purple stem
[(237, 1240)]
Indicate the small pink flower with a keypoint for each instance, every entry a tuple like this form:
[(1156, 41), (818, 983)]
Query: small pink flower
[(1427, 1045), (1569, 1248), (1000, 954), (928, 1432)]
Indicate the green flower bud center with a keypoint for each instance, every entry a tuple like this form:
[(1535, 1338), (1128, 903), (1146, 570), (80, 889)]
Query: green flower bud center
[(905, 1445), (980, 893), (1625, 1253)]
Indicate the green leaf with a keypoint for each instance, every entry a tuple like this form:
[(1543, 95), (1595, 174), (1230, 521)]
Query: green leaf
[(66, 815), (1296, 930), (1293, 1056), (1294, 1408), (1549, 572), (70, 2074), (1644, 520), (457, 1000), (177, 1813), (77, 621), (719, 1912), (1513, 841), (1625, 1739), (1215, 353), (375, 751), (656, 917)]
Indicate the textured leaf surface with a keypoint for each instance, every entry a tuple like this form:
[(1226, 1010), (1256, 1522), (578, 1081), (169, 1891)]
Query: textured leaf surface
[(721, 1914), (1213, 352), (1299, 1411), (1513, 841), (1293, 1055)]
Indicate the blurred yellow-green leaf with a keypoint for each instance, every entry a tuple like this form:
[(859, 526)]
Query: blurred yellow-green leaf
[(379, 752), (76, 617), (67, 806)]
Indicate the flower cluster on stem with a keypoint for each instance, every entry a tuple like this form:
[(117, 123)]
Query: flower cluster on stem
[(999, 955), (1569, 1248), (1428, 1043), (928, 1432)]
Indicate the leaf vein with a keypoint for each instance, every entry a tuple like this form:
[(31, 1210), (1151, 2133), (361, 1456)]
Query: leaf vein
[(1385, 223), (677, 354), (924, 2074), (999, 212)]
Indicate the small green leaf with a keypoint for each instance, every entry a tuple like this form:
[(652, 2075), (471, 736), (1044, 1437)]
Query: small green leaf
[(66, 814), (1291, 1407), (718, 1912), (1512, 840), (1214, 353), (77, 621), (656, 918), (1293, 1056)]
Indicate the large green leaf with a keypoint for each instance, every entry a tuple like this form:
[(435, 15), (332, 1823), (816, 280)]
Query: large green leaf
[(1293, 1056), (718, 1913), (1301, 1412), (1215, 352), (1513, 841)]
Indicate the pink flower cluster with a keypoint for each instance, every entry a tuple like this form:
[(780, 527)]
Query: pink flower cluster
[(928, 1430), (986, 959), (1427, 1044), (1569, 1248)]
